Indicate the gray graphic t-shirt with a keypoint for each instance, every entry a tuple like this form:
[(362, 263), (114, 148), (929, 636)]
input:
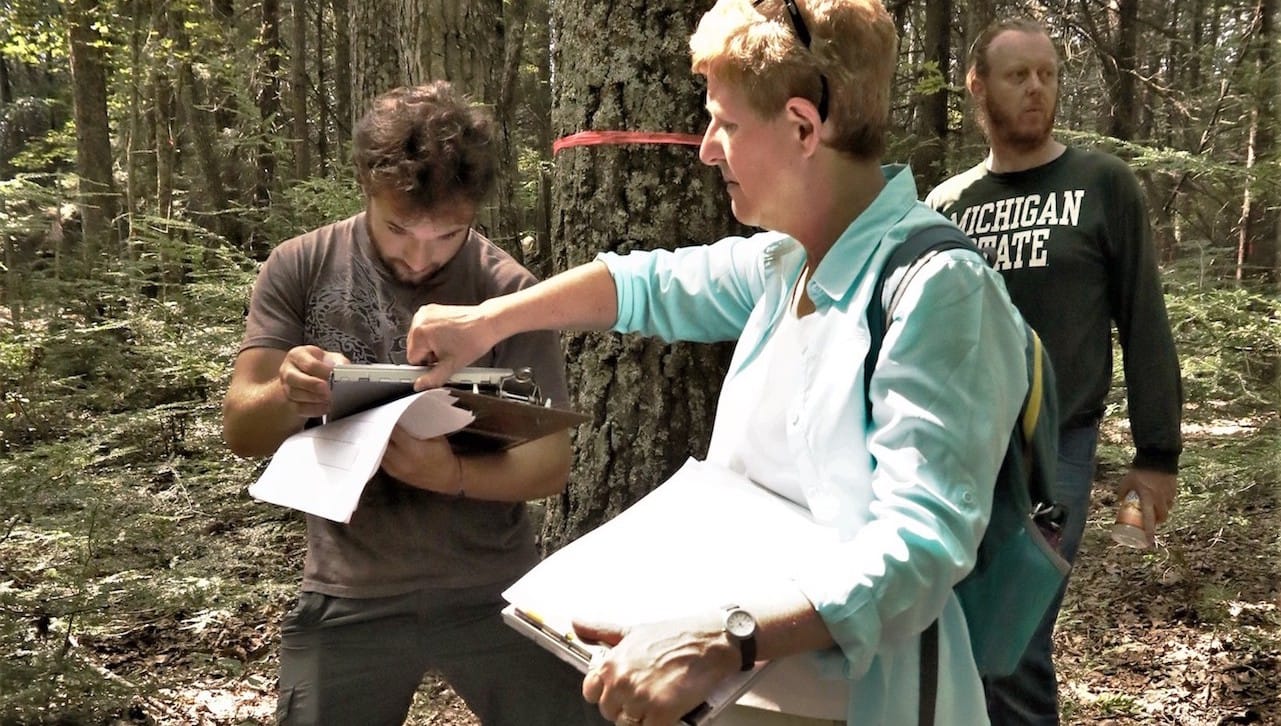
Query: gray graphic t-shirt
[(328, 288)]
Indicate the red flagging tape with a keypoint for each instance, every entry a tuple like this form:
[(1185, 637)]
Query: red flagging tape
[(597, 138)]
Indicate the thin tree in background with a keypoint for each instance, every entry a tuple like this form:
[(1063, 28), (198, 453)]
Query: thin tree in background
[(134, 142), (161, 87), (927, 157), (97, 194), (343, 112), (977, 14), (197, 123), (1258, 228), (298, 89), (537, 100), (509, 219), (270, 51), (1120, 68), (324, 110)]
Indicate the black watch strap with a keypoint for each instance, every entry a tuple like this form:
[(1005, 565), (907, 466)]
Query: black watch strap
[(740, 627), (747, 646)]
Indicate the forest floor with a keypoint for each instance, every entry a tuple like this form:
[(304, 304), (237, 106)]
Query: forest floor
[(186, 580)]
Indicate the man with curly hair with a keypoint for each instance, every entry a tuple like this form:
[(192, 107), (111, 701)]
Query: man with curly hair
[(414, 581)]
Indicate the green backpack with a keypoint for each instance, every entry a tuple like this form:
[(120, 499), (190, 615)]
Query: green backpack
[(1019, 569)]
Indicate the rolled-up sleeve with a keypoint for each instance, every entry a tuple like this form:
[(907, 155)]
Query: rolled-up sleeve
[(702, 294), (945, 394)]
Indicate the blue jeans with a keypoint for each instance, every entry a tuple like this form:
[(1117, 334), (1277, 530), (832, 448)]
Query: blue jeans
[(1029, 695)]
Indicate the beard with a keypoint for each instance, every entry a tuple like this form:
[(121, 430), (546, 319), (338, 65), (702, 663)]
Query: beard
[(1009, 131), (405, 274)]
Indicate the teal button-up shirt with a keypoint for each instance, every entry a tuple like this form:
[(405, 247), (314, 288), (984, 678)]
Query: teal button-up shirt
[(911, 491)]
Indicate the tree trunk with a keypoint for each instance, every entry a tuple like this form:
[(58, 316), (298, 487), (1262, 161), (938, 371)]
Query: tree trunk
[(136, 129), (1258, 229), (197, 122), (344, 113), (539, 102), (1192, 71), (298, 90), (268, 101), (225, 101), (1270, 239), (652, 404), (927, 158), (6, 86), (1120, 69), (162, 115), (978, 15), (375, 55), (324, 163), (507, 218), (97, 193), (460, 41), (465, 42)]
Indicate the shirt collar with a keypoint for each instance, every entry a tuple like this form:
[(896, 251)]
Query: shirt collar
[(845, 263)]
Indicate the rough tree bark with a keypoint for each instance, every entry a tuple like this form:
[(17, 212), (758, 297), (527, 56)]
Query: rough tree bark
[(971, 145), (376, 66), (652, 404), (1119, 57), (470, 43)]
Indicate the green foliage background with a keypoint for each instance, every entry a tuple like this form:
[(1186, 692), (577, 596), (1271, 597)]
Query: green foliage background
[(125, 523), (134, 568)]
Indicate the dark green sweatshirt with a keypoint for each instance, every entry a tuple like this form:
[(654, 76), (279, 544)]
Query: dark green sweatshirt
[(1072, 240)]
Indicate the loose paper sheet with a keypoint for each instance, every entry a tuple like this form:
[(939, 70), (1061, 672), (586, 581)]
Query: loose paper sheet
[(323, 470)]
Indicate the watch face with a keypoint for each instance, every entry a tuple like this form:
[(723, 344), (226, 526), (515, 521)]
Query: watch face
[(740, 624)]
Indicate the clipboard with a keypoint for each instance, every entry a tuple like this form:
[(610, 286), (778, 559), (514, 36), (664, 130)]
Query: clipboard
[(507, 404), (502, 423), (581, 655), (356, 387)]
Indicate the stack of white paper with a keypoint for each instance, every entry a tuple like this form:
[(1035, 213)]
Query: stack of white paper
[(705, 538)]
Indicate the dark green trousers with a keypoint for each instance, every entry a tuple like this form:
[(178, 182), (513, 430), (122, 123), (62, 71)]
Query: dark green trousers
[(358, 662)]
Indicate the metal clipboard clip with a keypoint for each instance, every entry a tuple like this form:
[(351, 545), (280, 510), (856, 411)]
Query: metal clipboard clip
[(514, 385), (521, 386)]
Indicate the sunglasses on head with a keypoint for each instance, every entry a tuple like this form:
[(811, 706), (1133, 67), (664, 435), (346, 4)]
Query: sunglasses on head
[(803, 35)]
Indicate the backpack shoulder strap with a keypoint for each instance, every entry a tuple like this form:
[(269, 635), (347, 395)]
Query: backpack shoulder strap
[(909, 256), (929, 685)]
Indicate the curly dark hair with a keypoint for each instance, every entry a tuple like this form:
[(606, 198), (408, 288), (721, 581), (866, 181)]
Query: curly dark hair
[(426, 144)]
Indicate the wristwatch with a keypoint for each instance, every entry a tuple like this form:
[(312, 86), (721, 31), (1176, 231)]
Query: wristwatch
[(740, 626)]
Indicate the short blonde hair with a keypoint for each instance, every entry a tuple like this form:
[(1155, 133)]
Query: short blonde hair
[(854, 46)]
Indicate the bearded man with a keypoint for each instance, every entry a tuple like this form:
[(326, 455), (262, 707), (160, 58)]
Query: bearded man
[(1068, 230)]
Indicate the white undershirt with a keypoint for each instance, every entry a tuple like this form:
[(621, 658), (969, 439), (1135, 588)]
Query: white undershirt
[(762, 453)]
